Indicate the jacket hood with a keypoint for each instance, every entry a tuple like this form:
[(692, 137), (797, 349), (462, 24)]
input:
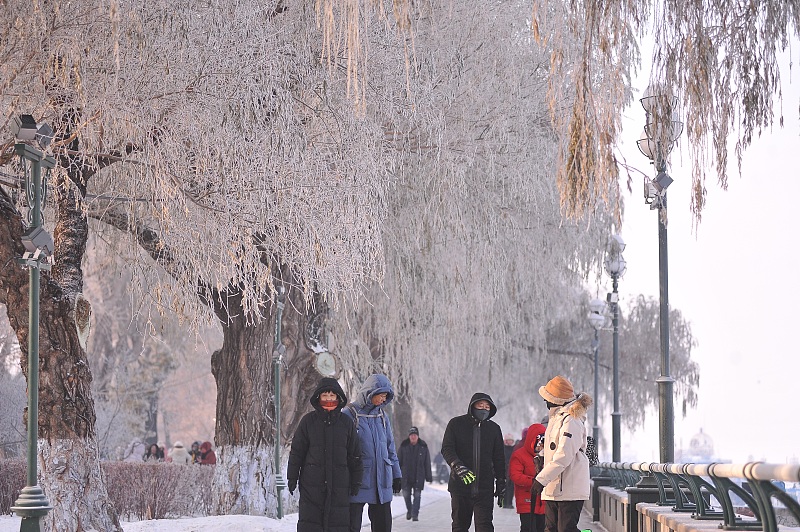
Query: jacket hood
[(374, 385), (328, 384), (530, 437), (578, 408), (482, 397), (205, 447)]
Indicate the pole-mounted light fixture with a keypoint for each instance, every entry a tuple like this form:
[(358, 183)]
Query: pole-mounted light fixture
[(32, 504), (598, 319), (615, 267), (661, 132)]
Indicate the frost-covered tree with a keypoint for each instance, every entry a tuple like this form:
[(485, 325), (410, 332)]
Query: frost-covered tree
[(223, 141), (478, 254)]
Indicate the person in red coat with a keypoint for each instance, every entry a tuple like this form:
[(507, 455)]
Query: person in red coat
[(207, 455), (522, 468)]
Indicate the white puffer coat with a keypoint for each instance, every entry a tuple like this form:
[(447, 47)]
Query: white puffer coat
[(565, 475)]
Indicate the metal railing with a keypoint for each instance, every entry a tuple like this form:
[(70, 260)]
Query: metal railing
[(675, 482)]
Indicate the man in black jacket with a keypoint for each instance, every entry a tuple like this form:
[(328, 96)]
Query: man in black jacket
[(415, 463), (473, 446)]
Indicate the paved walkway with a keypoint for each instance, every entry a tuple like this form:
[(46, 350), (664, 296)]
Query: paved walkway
[(435, 517)]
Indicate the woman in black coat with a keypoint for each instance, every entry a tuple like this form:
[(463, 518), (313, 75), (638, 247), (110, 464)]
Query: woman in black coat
[(326, 460)]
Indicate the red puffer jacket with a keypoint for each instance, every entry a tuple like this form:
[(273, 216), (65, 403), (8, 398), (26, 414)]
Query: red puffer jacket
[(522, 471)]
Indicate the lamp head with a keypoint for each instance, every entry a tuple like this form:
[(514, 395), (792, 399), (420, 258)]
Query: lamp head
[(597, 315), (23, 127), (38, 239)]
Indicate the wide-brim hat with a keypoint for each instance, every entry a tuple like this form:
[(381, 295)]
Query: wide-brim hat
[(558, 390)]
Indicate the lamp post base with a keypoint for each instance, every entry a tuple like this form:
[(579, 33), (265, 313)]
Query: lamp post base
[(31, 505)]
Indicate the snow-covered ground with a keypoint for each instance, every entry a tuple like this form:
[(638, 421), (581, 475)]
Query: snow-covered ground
[(237, 523)]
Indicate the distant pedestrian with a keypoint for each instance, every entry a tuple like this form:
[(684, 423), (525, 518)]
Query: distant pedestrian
[(207, 455), (415, 463), (179, 455), (382, 475), (135, 451), (508, 448), (564, 480), (194, 452), (473, 446), (154, 454), (326, 461), (442, 471), (525, 464)]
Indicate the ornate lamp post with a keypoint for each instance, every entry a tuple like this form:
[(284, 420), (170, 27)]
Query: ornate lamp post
[(661, 131), (32, 503), (597, 317), (615, 266)]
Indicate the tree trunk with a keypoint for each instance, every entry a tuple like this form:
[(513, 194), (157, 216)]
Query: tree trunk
[(244, 481), (69, 466)]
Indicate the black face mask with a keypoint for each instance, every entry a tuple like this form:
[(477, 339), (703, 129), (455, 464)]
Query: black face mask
[(480, 415)]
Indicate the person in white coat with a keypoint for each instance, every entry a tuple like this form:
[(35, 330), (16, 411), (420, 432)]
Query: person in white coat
[(564, 480), (179, 454)]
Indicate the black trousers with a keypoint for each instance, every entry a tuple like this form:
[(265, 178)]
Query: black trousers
[(380, 516), (562, 516), (531, 522), (464, 508)]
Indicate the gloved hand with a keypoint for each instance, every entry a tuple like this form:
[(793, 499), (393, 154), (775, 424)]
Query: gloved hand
[(292, 485), (536, 489), (354, 489), (397, 485), (538, 461), (500, 492), (463, 473)]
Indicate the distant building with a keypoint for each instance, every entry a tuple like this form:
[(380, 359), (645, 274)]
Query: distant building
[(700, 451)]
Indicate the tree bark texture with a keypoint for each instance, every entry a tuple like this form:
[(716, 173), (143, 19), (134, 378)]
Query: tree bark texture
[(68, 453), (245, 427)]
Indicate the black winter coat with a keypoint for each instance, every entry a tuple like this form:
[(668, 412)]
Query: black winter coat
[(326, 459), (415, 463), (479, 447)]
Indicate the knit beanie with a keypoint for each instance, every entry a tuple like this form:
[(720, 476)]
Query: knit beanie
[(558, 390)]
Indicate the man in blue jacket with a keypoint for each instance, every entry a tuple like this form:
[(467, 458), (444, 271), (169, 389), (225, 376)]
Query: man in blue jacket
[(473, 446), (382, 476)]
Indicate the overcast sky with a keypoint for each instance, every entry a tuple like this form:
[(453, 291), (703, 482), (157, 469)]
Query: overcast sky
[(735, 278)]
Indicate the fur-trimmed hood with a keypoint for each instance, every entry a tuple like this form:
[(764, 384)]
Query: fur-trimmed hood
[(578, 408)]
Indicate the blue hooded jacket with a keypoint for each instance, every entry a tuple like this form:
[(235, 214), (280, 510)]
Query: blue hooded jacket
[(378, 454)]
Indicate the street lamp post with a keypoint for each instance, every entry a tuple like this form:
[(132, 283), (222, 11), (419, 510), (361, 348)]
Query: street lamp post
[(615, 266), (661, 132), (597, 317), (32, 504)]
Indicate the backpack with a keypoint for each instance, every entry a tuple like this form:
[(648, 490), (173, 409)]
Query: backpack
[(356, 415)]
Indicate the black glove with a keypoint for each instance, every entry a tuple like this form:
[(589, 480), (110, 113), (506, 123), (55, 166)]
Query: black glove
[(397, 485), (536, 489), (292, 485), (466, 476), (500, 492), (354, 489)]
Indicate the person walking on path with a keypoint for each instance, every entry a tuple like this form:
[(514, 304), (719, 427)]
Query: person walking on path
[(415, 464), (564, 480), (508, 449), (325, 459), (473, 446), (525, 464), (382, 475)]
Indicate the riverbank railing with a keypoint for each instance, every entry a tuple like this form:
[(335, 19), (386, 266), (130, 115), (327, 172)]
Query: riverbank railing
[(742, 496)]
